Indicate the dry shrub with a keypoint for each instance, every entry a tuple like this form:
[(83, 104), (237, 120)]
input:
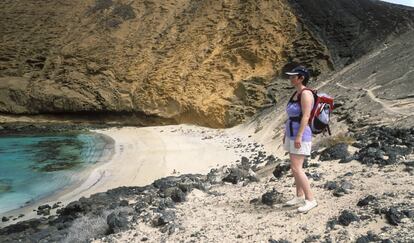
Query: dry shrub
[(339, 138), (86, 227)]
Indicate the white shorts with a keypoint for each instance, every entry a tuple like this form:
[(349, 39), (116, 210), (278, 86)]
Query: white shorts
[(305, 148)]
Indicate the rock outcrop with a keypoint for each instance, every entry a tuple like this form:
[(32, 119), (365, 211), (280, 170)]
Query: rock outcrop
[(172, 61)]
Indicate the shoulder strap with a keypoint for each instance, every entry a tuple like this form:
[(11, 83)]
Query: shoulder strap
[(291, 98)]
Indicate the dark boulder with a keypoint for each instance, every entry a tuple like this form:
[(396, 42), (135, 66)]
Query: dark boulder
[(366, 200), (384, 145), (245, 161), (175, 193), (347, 217), (44, 210), (270, 160), (22, 226), (236, 175), (117, 222), (272, 197), (164, 203), (123, 203), (73, 208), (140, 207), (369, 237), (338, 151), (343, 188), (281, 169), (394, 216), (314, 176), (164, 218), (347, 159), (330, 185), (56, 205), (408, 213)]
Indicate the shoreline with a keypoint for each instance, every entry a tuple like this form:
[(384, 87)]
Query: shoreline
[(76, 180), (141, 155)]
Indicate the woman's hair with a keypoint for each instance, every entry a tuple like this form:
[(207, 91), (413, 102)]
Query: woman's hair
[(305, 79)]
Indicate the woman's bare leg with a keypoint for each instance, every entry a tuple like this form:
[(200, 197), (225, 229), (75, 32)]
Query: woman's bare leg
[(301, 180)]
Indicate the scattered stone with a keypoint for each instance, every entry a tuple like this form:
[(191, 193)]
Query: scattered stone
[(384, 145), (305, 163), (124, 203), (370, 237), (394, 216), (164, 218), (346, 185), (340, 189), (314, 176), (270, 160), (312, 238), (338, 151), (254, 201), (175, 193), (347, 159), (4, 219), (347, 217), (236, 175), (55, 205), (278, 241), (272, 197), (348, 174), (314, 154), (408, 213), (117, 222), (330, 185), (366, 201), (244, 160), (281, 169), (44, 210)]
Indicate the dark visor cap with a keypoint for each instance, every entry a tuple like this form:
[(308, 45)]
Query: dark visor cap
[(299, 71)]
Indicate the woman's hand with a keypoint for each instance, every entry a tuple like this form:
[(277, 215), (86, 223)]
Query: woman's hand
[(298, 142)]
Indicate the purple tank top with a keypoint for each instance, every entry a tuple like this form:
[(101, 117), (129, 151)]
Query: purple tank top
[(293, 109)]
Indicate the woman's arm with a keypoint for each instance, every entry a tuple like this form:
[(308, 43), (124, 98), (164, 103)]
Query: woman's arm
[(306, 105)]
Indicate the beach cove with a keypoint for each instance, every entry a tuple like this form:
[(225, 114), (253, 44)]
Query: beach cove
[(136, 156)]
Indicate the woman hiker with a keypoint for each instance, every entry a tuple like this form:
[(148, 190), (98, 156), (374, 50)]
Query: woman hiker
[(298, 137)]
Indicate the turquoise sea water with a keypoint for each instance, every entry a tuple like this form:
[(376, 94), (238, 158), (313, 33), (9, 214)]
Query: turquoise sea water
[(35, 166)]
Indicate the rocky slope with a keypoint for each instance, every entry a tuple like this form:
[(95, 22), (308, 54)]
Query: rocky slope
[(204, 62), (362, 176), (363, 185)]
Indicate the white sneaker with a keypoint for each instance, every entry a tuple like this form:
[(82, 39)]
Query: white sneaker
[(308, 206), (295, 201)]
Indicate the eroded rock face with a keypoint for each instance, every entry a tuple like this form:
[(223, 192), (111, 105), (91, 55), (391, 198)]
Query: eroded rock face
[(188, 61)]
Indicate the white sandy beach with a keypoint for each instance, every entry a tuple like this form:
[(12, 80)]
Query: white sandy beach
[(142, 155)]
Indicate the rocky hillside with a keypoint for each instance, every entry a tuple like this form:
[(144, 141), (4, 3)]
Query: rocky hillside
[(211, 63)]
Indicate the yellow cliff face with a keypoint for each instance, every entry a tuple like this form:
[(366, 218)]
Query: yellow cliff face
[(180, 60)]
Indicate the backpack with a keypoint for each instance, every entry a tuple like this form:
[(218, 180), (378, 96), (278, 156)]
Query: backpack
[(321, 111)]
